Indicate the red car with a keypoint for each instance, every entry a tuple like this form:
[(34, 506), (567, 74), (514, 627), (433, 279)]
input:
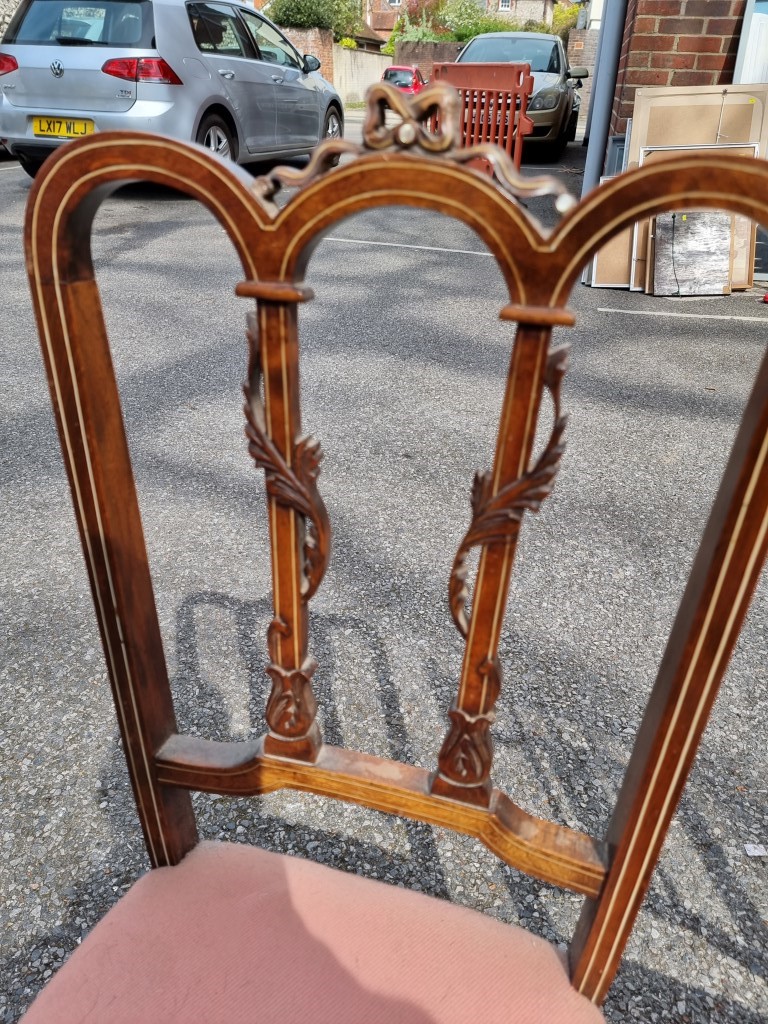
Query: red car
[(409, 80)]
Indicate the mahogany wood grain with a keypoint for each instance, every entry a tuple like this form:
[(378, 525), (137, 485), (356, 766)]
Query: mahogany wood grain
[(399, 164), (551, 852)]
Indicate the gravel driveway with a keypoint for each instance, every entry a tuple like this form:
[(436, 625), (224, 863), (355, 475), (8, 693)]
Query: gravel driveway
[(403, 367)]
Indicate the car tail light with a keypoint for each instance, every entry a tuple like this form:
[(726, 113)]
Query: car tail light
[(8, 63), (141, 69)]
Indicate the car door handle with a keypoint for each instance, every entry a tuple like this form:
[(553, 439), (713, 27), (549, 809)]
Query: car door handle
[(277, 78), (226, 74)]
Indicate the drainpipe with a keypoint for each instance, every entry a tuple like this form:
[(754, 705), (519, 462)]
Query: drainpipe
[(603, 90)]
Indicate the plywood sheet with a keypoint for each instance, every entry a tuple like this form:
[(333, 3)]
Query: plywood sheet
[(639, 256), (704, 122), (611, 265), (692, 253), (743, 253)]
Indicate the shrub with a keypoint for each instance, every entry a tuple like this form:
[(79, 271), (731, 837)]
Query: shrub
[(422, 32), (465, 19), (341, 16), (564, 20), (301, 13)]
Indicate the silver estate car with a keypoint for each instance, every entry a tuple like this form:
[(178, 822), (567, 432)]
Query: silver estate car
[(220, 74)]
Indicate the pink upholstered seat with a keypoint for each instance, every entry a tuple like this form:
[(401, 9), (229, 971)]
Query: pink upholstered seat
[(237, 934)]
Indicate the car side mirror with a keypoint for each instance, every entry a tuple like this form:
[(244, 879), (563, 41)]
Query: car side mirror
[(311, 63), (578, 73)]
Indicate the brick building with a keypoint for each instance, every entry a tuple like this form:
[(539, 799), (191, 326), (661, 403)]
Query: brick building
[(675, 42)]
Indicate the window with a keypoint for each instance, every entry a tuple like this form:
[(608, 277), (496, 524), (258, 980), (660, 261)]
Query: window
[(108, 23), (272, 47), (216, 30), (394, 3), (397, 76), (505, 5)]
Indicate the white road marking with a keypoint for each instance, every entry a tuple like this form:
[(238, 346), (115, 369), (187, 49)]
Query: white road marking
[(687, 316), (402, 245)]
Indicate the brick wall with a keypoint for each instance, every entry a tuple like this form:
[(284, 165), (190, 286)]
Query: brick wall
[(318, 42), (424, 55), (582, 52), (675, 42)]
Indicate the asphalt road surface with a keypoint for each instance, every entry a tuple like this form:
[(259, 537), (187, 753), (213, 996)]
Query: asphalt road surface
[(403, 364)]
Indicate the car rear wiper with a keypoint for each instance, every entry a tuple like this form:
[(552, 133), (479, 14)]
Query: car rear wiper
[(75, 41)]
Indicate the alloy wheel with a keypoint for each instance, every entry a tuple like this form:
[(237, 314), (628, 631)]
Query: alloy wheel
[(216, 140)]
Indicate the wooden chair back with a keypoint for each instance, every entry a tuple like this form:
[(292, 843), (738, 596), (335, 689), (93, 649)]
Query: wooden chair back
[(401, 165)]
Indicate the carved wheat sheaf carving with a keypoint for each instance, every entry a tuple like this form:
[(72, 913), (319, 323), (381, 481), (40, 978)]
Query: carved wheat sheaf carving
[(294, 486), (497, 517)]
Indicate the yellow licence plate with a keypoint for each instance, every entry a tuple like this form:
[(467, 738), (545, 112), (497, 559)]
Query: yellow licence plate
[(61, 127)]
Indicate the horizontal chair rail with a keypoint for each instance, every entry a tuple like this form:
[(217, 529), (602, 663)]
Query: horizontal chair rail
[(554, 853)]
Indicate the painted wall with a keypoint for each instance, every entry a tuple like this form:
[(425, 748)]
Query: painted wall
[(355, 70), (594, 14)]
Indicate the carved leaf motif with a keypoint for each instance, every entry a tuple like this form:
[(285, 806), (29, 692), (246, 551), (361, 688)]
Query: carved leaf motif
[(497, 518), (294, 487), (467, 752), (291, 707), (277, 628)]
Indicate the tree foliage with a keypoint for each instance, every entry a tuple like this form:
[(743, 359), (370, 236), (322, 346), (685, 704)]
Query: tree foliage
[(564, 20), (465, 19), (419, 21), (342, 17)]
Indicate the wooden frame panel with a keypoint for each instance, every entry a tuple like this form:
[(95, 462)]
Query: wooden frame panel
[(641, 240)]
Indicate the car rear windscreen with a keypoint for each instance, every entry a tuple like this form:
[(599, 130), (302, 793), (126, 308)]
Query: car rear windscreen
[(399, 77), (540, 54), (121, 23)]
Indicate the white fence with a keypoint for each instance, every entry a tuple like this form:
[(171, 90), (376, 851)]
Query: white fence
[(355, 70)]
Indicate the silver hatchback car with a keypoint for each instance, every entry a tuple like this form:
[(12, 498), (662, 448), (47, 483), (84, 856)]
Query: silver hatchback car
[(220, 74)]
